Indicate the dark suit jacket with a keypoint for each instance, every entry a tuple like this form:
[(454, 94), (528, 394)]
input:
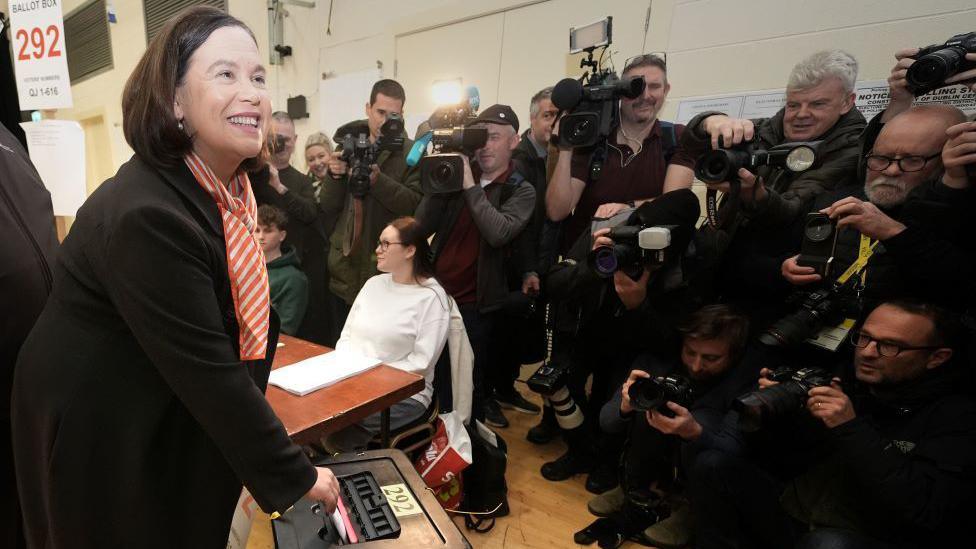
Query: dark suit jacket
[(134, 420)]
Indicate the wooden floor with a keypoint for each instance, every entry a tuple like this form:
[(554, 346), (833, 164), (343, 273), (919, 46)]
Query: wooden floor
[(544, 514)]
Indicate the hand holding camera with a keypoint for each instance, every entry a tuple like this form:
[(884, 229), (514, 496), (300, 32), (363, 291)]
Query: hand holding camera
[(683, 424), (959, 156), (625, 406), (830, 405), (901, 96), (864, 217), (798, 275), (727, 132), (274, 181), (338, 167), (966, 77)]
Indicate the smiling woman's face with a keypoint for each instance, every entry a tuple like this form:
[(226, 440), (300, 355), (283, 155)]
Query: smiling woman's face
[(223, 101)]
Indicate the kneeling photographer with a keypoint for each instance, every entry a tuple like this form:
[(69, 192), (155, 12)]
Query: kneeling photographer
[(870, 243), (372, 185), (896, 464), (618, 293), (664, 406), (768, 181)]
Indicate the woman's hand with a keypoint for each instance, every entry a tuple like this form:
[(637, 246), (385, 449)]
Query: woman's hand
[(325, 489)]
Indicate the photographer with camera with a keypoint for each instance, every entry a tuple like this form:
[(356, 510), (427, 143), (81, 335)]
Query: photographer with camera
[(473, 234), (618, 293), (819, 110), (282, 186), (896, 467), (643, 159), (366, 201), (663, 407), (906, 228)]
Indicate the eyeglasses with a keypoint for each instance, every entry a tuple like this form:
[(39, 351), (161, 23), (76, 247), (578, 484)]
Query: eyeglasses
[(907, 164), (384, 245), (885, 348)]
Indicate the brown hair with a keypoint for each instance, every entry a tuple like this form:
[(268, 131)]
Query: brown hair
[(390, 88), (148, 122), (647, 60), (412, 234), (718, 322), (270, 216)]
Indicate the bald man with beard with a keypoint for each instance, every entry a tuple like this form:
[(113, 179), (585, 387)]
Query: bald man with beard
[(912, 205)]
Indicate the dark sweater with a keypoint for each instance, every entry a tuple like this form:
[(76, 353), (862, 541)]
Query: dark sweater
[(289, 290)]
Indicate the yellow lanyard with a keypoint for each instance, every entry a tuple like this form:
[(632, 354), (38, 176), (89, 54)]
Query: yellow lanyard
[(863, 255)]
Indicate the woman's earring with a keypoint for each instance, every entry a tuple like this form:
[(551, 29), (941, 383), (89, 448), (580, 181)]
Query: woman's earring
[(179, 124)]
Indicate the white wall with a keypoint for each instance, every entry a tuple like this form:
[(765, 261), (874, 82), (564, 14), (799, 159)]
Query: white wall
[(713, 46)]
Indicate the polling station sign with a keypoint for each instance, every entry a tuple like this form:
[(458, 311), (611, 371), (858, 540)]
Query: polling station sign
[(40, 59)]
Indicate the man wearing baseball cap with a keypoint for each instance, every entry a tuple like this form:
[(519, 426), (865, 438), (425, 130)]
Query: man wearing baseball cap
[(474, 232)]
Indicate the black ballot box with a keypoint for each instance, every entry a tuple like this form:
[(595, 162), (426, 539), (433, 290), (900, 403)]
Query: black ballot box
[(388, 504)]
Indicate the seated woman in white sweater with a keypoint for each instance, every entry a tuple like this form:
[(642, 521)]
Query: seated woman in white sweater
[(400, 317)]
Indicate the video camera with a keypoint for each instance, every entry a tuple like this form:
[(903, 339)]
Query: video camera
[(448, 137), (934, 64), (788, 395), (635, 247), (723, 164), (361, 155), (592, 101), (655, 393), (277, 143)]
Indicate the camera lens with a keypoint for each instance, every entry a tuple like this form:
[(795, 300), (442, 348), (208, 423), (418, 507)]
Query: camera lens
[(932, 69), (819, 229), (714, 167), (443, 173), (605, 261), (758, 407)]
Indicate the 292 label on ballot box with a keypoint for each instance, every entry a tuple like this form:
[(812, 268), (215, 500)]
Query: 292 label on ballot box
[(401, 500), (40, 58)]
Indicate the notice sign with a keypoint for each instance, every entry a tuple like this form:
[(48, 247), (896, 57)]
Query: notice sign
[(40, 59)]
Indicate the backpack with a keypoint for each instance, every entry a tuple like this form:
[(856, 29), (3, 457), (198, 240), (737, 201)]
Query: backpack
[(485, 490)]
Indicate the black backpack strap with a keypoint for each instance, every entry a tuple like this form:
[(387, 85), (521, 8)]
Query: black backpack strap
[(669, 140)]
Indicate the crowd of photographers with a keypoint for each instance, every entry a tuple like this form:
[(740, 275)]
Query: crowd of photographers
[(795, 370)]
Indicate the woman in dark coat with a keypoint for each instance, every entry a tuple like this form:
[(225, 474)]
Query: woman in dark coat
[(138, 406)]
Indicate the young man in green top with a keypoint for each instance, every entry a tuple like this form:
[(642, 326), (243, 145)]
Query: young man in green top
[(288, 285)]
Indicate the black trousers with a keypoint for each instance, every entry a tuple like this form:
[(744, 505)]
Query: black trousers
[(479, 327)]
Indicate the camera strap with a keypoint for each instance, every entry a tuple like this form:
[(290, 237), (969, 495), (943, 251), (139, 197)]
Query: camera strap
[(865, 251), (831, 337)]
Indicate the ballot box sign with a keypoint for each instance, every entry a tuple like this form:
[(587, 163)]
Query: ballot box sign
[(40, 58)]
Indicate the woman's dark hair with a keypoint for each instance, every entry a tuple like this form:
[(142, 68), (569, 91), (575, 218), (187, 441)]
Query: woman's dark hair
[(718, 322), (148, 122), (412, 234)]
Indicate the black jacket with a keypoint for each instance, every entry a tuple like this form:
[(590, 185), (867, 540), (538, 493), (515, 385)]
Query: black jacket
[(538, 245), (28, 249), (904, 470), (131, 408)]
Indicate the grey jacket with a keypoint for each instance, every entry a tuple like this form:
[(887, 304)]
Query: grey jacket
[(501, 211)]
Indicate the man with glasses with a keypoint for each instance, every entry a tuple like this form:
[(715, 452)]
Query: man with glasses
[(910, 199), (896, 463)]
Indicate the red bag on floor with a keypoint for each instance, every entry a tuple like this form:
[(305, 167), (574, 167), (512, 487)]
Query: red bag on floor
[(441, 463)]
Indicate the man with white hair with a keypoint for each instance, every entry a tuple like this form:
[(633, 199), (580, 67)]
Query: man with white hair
[(819, 107)]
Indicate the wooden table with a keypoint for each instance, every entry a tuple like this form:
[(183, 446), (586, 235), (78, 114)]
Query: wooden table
[(327, 410)]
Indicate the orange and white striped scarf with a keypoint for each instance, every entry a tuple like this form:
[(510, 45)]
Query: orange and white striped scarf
[(245, 258)]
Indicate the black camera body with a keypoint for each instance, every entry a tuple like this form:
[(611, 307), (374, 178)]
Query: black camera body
[(654, 393), (277, 143), (718, 165), (548, 378), (360, 154), (819, 243), (442, 172), (816, 309), (635, 247), (786, 397), (934, 64)]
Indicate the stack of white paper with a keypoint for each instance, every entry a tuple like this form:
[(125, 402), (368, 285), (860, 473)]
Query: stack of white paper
[(320, 371)]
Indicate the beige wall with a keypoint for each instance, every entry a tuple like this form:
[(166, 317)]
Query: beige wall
[(714, 46)]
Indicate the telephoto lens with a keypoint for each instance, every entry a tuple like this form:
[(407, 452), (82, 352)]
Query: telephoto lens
[(758, 408)]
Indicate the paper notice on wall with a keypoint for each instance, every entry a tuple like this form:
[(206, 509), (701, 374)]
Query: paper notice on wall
[(57, 149), (870, 97), (40, 56), (343, 98)]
